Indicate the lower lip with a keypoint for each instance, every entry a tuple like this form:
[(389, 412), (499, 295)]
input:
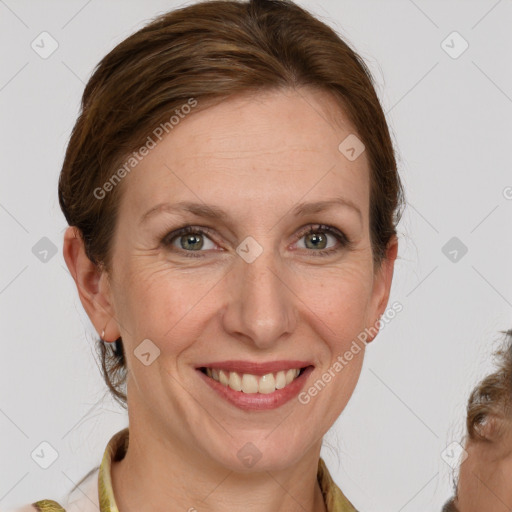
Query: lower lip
[(259, 401)]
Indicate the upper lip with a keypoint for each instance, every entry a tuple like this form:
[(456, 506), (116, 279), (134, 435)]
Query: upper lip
[(255, 368)]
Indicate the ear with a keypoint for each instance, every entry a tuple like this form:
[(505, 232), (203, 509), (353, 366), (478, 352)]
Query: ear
[(382, 280), (92, 285)]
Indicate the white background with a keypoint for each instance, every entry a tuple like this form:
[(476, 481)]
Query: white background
[(451, 123)]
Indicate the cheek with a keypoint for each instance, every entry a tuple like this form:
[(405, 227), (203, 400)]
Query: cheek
[(468, 485), (341, 297), (501, 484), (156, 302), (161, 303), (485, 483)]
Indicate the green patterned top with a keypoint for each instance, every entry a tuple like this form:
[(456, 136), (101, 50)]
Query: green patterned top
[(335, 500)]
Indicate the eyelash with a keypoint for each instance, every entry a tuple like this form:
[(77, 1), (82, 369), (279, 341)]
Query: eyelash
[(341, 237)]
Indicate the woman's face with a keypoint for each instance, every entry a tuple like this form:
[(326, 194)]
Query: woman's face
[(255, 289)]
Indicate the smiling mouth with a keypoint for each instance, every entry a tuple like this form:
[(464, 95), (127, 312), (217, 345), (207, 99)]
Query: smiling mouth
[(250, 383)]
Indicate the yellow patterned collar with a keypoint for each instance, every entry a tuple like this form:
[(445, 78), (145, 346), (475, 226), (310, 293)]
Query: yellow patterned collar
[(335, 500)]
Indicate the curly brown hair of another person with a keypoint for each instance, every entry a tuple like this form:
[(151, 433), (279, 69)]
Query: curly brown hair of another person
[(490, 402)]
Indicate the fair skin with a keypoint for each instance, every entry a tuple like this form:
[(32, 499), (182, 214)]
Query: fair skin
[(256, 158), (485, 481)]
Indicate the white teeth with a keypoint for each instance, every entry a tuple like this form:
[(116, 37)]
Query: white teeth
[(223, 377), (267, 383), (290, 375), (280, 380), (235, 382), (249, 383)]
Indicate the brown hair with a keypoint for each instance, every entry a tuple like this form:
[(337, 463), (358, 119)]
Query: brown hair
[(490, 403), (210, 51)]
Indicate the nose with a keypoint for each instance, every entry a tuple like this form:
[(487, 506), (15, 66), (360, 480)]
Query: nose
[(261, 308)]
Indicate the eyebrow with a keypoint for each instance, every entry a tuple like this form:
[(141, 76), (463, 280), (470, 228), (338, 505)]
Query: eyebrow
[(215, 212)]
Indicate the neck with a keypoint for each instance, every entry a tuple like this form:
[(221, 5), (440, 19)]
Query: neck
[(160, 475)]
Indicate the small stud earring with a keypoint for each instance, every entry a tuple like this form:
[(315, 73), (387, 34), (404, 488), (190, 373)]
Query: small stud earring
[(103, 335)]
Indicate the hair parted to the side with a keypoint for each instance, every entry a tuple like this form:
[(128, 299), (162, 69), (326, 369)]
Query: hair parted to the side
[(210, 51)]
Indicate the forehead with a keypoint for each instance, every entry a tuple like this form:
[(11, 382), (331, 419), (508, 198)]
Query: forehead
[(262, 146)]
